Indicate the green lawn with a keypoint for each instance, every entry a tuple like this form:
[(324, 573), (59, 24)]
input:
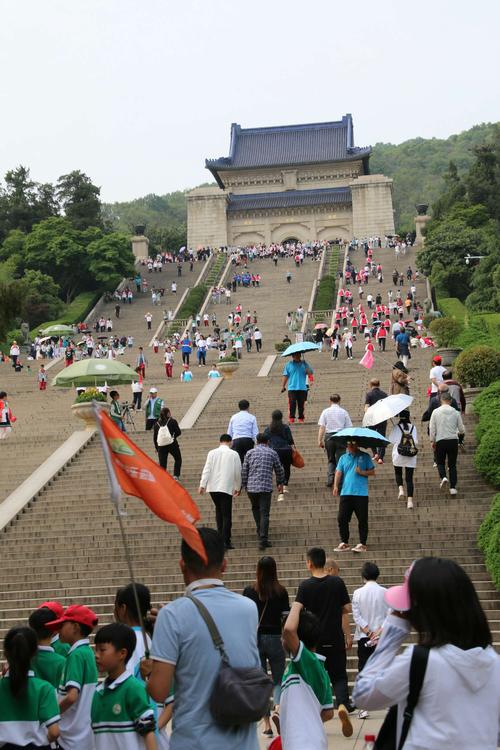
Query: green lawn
[(75, 312), (452, 308)]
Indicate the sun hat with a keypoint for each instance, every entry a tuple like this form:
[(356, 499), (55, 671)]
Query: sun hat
[(398, 597), (55, 607), (153, 390), (75, 613)]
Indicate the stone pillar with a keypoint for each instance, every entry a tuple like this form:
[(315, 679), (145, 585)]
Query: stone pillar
[(207, 217), (420, 223), (140, 244), (372, 212)]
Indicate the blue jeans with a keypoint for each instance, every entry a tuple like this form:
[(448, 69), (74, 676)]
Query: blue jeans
[(271, 650)]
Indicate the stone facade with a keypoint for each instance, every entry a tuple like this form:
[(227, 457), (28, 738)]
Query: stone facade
[(263, 202)]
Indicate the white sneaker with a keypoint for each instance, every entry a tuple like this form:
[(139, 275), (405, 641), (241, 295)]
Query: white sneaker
[(409, 504), (434, 465), (453, 491), (285, 489), (280, 497), (363, 715), (342, 547), (443, 482), (401, 492)]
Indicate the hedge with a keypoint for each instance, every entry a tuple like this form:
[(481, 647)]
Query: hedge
[(487, 456), (488, 540), (325, 296), (487, 399), (453, 308), (193, 302), (478, 366)]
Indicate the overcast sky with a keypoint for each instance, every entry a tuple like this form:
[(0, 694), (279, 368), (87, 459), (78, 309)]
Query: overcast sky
[(137, 93)]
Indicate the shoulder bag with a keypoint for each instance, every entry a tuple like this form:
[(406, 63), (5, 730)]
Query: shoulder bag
[(297, 459), (386, 739), (240, 695)]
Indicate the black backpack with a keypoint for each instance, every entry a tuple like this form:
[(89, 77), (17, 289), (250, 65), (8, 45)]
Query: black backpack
[(406, 446)]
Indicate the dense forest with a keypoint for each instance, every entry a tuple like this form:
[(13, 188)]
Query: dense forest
[(417, 167)]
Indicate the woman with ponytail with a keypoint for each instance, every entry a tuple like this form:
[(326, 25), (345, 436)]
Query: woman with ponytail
[(29, 712)]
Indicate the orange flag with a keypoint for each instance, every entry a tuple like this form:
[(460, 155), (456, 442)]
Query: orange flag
[(138, 475)]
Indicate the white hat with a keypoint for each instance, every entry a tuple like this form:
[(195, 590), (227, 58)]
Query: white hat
[(153, 390)]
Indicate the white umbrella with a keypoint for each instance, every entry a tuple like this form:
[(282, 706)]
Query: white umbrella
[(386, 408)]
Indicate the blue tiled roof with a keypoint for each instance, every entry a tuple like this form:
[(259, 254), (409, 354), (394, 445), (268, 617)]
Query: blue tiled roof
[(289, 145), (290, 198)]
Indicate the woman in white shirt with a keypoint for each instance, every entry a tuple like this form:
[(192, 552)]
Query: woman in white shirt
[(399, 460)]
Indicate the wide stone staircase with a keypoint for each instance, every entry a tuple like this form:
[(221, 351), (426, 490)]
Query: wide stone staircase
[(67, 544)]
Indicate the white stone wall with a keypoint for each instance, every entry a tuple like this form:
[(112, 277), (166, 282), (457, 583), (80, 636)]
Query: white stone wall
[(372, 206), (206, 214)]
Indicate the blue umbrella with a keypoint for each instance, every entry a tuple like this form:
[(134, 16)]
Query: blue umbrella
[(364, 437), (302, 346)]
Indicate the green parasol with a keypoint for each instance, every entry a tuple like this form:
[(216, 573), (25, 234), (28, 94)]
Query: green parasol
[(58, 330), (95, 372)]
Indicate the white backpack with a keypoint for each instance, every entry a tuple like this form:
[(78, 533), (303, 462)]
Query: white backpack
[(164, 436)]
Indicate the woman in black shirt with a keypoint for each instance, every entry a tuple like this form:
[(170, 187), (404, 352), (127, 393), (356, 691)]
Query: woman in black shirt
[(280, 439), (163, 450), (272, 601)]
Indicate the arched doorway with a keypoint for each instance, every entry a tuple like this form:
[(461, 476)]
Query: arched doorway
[(290, 241)]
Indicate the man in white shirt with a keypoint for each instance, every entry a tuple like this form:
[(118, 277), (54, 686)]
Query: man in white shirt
[(331, 420), (436, 374), (444, 428), (221, 476), (369, 611), (243, 430)]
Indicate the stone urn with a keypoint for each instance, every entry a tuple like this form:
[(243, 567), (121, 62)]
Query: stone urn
[(470, 395), (422, 208), (228, 368), (85, 412), (448, 355)]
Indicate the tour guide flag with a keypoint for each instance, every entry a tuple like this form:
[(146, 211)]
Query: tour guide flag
[(139, 476)]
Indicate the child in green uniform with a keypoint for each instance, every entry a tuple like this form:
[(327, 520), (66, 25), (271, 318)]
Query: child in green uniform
[(79, 677), (29, 713), (57, 610), (47, 665), (122, 717), (306, 694)]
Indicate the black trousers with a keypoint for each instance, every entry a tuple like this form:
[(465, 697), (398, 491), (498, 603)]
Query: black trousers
[(223, 514), (173, 449), (261, 509), (137, 400), (381, 428), (258, 344), (296, 400), (185, 358), (350, 504), (333, 452), (447, 450), (336, 666), (242, 446), (364, 652), (398, 471), (285, 455)]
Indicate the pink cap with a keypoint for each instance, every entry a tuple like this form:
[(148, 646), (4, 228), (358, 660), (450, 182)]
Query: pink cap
[(398, 597)]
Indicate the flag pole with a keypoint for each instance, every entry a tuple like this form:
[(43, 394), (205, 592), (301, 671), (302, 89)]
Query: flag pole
[(115, 499)]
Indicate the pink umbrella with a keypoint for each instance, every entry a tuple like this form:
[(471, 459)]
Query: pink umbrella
[(320, 325)]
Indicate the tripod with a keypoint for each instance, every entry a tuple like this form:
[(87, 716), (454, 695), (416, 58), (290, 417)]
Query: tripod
[(127, 416)]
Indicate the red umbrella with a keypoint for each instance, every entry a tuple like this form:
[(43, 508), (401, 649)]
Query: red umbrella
[(320, 325)]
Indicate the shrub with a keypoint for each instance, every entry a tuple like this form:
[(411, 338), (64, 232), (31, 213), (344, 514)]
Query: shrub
[(91, 394), (428, 318), (325, 296), (280, 346), (488, 420), (194, 300), (230, 358), (445, 330), (453, 308), (487, 456), (488, 399), (478, 367), (14, 335), (488, 540)]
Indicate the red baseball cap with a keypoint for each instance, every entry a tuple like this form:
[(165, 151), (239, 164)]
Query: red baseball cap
[(398, 597), (54, 607), (437, 359), (75, 613)]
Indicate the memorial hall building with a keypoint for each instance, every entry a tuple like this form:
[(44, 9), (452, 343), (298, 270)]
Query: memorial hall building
[(300, 182)]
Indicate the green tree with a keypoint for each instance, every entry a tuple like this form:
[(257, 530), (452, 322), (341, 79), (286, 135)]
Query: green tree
[(110, 259), (80, 200), (24, 202), (454, 192), (40, 300), (13, 244), (483, 180), (10, 305)]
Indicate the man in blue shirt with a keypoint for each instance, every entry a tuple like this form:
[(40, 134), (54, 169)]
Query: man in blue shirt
[(351, 483), (183, 650), (243, 429), (403, 347), (295, 380)]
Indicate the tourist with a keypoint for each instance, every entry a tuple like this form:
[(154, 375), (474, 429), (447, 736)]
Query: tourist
[(404, 437), (373, 395), (294, 379), (347, 339), (168, 357), (399, 379), (186, 349), (79, 677), (271, 599), (42, 378), (183, 650), (202, 346), (121, 694), (186, 374), (221, 477), (165, 419), (403, 346), (115, 411), (280, 439), (153, 407), (326, 597), (332, 419), (243, 429), (455, 389), (29, 713), (257, 337), (351, 483), (14, 352), (137, 387), (214, 372), (369, 611), (444, 428), (436, 374), (257, 479), (149, 318), (141, 362), (47, 664), (439, 601)]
